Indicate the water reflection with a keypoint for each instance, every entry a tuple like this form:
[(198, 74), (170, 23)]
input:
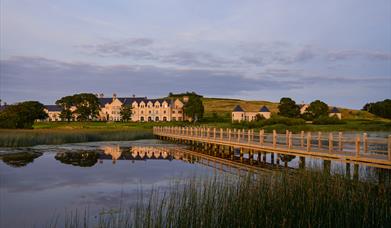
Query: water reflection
[(19, 159), (80, 158)]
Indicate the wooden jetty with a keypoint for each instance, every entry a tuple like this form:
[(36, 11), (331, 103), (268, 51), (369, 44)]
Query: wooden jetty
[(359, 149)]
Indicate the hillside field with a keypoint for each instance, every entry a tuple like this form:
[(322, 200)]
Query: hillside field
[(223, 106)]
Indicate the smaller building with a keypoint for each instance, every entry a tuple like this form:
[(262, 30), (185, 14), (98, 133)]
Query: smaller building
[(335, 112), (53, 112), (303, 108), (239, 115)]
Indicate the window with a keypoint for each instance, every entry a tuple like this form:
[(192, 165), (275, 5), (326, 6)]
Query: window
[(142, 119), (173, 112), (157, 112), (164, 118), (157, 118), (149, 118), (173, 119), (142, 112), (164, 111), (149, 112), (179, 118)]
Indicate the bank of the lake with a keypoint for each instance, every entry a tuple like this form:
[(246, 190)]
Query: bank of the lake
[(21, 138), (64, 132)]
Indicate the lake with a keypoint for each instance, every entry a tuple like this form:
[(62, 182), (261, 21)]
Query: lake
[(43, 183)]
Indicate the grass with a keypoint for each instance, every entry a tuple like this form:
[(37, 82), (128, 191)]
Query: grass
[(19, 138), (224, 106), (306, 199)]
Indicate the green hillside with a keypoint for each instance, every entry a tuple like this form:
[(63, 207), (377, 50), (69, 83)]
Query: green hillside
[(224, 106)]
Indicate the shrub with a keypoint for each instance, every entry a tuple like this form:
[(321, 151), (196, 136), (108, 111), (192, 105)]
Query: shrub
[(326, 120)]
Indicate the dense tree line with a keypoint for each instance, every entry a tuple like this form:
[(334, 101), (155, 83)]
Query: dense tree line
[(380, 108), (22, 115)]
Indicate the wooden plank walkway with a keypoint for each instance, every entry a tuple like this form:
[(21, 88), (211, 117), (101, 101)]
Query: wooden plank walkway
[(360, 149)]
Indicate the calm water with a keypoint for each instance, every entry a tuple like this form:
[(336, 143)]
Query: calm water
[(42, 182)]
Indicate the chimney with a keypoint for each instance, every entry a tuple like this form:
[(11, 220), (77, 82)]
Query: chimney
[(101, 95), (134, 96), (185, 99), (114, 96)]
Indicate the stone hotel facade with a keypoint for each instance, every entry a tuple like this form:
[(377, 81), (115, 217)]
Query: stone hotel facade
[(143, 109)]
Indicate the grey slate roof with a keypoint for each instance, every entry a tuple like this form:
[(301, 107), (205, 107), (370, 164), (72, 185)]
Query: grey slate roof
[(264, 109), (238, 109), (129, 100), (335, 110), (53, 108)]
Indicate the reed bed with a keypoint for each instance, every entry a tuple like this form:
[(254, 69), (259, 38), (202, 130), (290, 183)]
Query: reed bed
[(307, 199), (20, 138)]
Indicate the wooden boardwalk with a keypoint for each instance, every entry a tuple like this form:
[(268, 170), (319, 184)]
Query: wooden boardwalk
[(328, 146)]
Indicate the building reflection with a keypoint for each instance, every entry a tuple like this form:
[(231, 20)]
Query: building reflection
[(135, 153)]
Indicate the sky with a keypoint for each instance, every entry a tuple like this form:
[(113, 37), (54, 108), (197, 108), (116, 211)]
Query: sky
[(338, 51)]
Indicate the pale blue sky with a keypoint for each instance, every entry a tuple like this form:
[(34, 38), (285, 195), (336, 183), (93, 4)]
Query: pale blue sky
[(338, 51)]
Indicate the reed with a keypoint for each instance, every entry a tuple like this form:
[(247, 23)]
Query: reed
[(307, 199), (18, 138)]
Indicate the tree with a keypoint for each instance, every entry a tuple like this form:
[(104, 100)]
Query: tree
[(126, 112), (194, 108), (65, 103), (380, 108), (259, 117), (87, 106), (288, 108), (318, 108), (22, 115)]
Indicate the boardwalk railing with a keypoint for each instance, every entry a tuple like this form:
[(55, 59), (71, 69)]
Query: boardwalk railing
[(356, 148)]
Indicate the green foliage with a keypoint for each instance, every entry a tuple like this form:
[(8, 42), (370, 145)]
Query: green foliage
[(194, 108), (66, 103), (22, 115), (87, 106), (180, 95), (380, 108), (326, 120), (288, 108), (126, 112), (17, 138), (318, 108)]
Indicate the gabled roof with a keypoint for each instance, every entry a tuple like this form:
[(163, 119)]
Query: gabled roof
[(335, 110), (238, 109), (53, 108), (264, 109), (129, 100)]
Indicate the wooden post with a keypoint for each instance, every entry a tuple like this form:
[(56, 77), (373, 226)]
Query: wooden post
[(274, 138), (229, 134), (290, 140), (308, 141), (358, 145), (389, 147), (221, 134), (320, 140), (261, 136), (340, 141), (248, 136), (287, 137), (238, 131), (331, 142), (365, 140), (302, 138), (208, 132)]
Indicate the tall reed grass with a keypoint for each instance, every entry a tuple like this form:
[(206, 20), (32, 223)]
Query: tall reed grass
[(18, 138), (307, 199)]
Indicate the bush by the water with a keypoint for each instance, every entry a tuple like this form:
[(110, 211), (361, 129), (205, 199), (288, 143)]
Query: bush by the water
[(325, 120), (17, 138)]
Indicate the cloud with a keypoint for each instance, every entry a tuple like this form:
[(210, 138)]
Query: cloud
[(36, 77), (132, 47), (346, 54)]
